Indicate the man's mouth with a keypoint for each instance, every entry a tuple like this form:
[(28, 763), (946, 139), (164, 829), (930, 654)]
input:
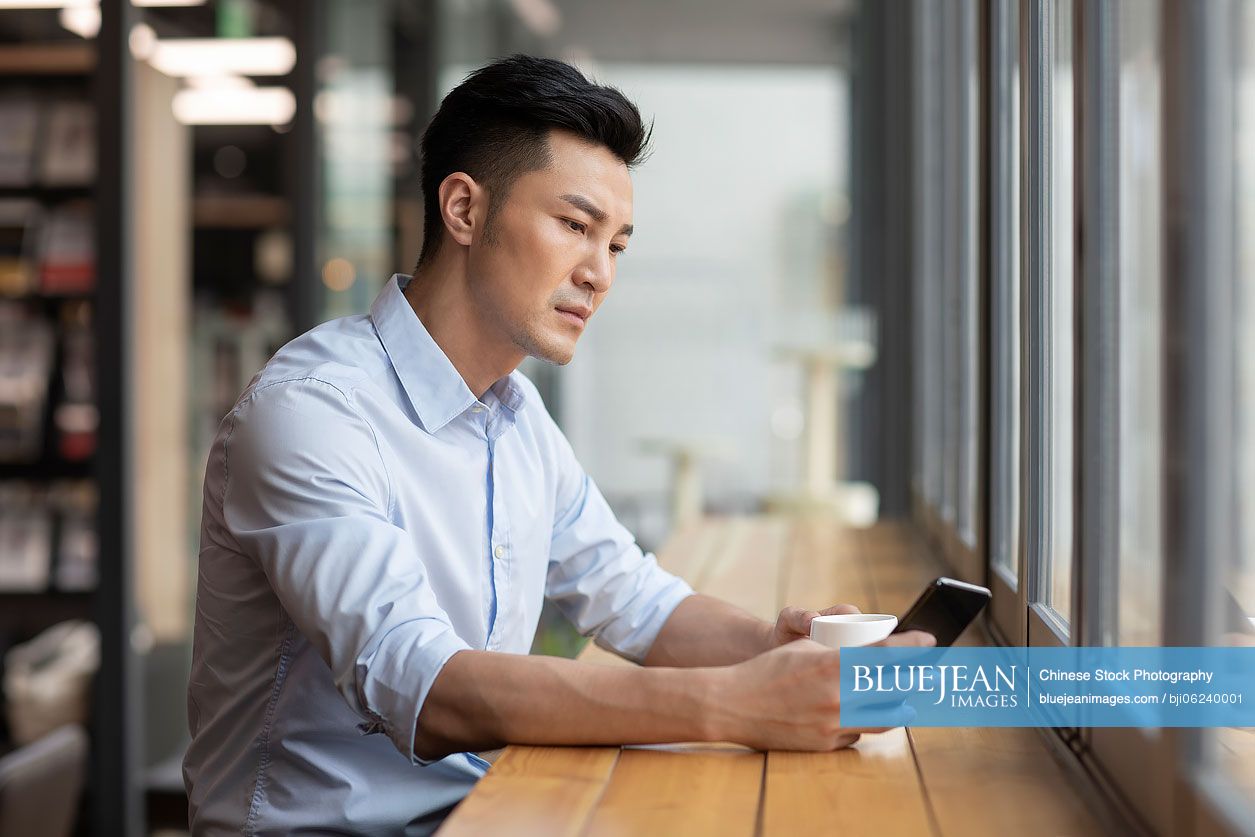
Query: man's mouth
[(575, 314)]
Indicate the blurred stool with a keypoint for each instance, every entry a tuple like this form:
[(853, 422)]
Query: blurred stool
[(40, 784), (687, 499), (857, 503)]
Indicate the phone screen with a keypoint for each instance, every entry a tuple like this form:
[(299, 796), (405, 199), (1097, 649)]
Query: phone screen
[(945, 609)]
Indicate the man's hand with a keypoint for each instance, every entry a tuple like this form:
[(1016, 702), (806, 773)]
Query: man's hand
[(795, 622), (790, 697)]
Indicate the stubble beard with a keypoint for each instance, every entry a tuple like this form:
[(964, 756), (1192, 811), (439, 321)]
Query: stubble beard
[(538, 341)]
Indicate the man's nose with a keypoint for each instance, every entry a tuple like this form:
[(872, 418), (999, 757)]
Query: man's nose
[(597, 272)]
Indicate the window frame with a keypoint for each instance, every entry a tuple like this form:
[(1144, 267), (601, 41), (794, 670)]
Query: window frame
[(1199, 360), (1045, 626), (926, 280), (1134, 760), (949, 297), (1008, 608)]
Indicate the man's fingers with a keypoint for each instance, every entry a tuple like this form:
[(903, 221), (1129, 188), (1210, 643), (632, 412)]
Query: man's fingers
[(837, 610), (909, 639), (919, 639), (798, 619), (887, 716)]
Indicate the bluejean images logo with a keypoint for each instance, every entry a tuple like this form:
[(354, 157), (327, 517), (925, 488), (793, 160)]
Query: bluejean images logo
[(1022, 687), (963, 686)]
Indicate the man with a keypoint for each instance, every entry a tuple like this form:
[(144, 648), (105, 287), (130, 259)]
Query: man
[(389, 503)]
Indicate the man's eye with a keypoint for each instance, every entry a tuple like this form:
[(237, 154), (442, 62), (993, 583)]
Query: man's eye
[(616, 249), (575, 225)]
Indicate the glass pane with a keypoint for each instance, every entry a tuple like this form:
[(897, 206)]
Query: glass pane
[(946, 206), (1059, 333), (1242, 579), (1005, 291), (353, 109), (958, 265), (928, 276), (965, 167), (1140, 434), (1237, 746)]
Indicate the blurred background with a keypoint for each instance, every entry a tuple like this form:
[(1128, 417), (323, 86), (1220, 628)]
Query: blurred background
[(857, 287)]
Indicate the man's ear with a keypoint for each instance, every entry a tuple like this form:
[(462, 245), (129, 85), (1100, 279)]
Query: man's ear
[(463, 204)]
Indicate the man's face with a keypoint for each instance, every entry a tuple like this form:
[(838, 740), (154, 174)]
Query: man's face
[(548, 258)]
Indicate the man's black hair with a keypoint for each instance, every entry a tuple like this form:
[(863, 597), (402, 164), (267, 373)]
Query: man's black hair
[(495, 124)]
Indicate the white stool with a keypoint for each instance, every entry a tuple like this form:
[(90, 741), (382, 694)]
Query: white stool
[(687, 500), (820, 490)]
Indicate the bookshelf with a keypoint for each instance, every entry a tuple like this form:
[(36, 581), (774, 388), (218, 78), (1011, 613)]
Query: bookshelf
[(49, 414), (195, 278), (64, 175), (71, 58)]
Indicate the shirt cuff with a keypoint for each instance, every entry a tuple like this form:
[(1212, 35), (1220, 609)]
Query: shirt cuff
[(633, 637), (399, 676)]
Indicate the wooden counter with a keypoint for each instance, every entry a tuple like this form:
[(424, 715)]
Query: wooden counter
[(922, 781)]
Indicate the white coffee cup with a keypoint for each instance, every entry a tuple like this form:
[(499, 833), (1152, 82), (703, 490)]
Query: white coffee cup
[(847, 629)]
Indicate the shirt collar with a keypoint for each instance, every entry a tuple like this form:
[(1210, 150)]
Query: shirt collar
[(433, 384)]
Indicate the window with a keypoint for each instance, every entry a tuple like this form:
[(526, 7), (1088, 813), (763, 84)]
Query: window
[(1140, 436), (947, 289), (1059, 334), (1048, 245), (962, 239), (1207, 119), (1004, 299), (1120, 166), (1236, 748), (1004, 239), (928, 278), (1242, 572)]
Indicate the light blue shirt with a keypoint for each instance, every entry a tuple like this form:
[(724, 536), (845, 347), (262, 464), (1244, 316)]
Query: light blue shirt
[(365, 518)]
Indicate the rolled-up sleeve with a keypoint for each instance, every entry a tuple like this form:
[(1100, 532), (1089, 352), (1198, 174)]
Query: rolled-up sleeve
[(307, 494), (598, 576)]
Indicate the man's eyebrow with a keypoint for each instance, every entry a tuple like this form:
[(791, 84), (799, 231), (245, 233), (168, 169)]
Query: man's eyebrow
[(585, 205)]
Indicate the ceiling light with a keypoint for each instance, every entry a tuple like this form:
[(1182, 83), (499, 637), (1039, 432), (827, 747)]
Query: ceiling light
[(83, 21), (234, 106), (64, 4), (44, 4), (142, 41), (222, 56), (338, 274)]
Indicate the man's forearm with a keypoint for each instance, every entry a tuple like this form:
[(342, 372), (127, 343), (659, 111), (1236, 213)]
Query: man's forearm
[(787, 698), (705, 631), (483, 700)]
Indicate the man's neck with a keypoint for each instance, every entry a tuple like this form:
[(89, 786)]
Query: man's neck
[(439, 295)]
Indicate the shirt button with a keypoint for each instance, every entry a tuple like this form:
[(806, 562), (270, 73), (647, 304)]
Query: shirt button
[(477, 409), (499, 551)]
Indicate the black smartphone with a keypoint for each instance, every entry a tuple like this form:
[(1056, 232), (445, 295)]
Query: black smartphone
[(945, 609)]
